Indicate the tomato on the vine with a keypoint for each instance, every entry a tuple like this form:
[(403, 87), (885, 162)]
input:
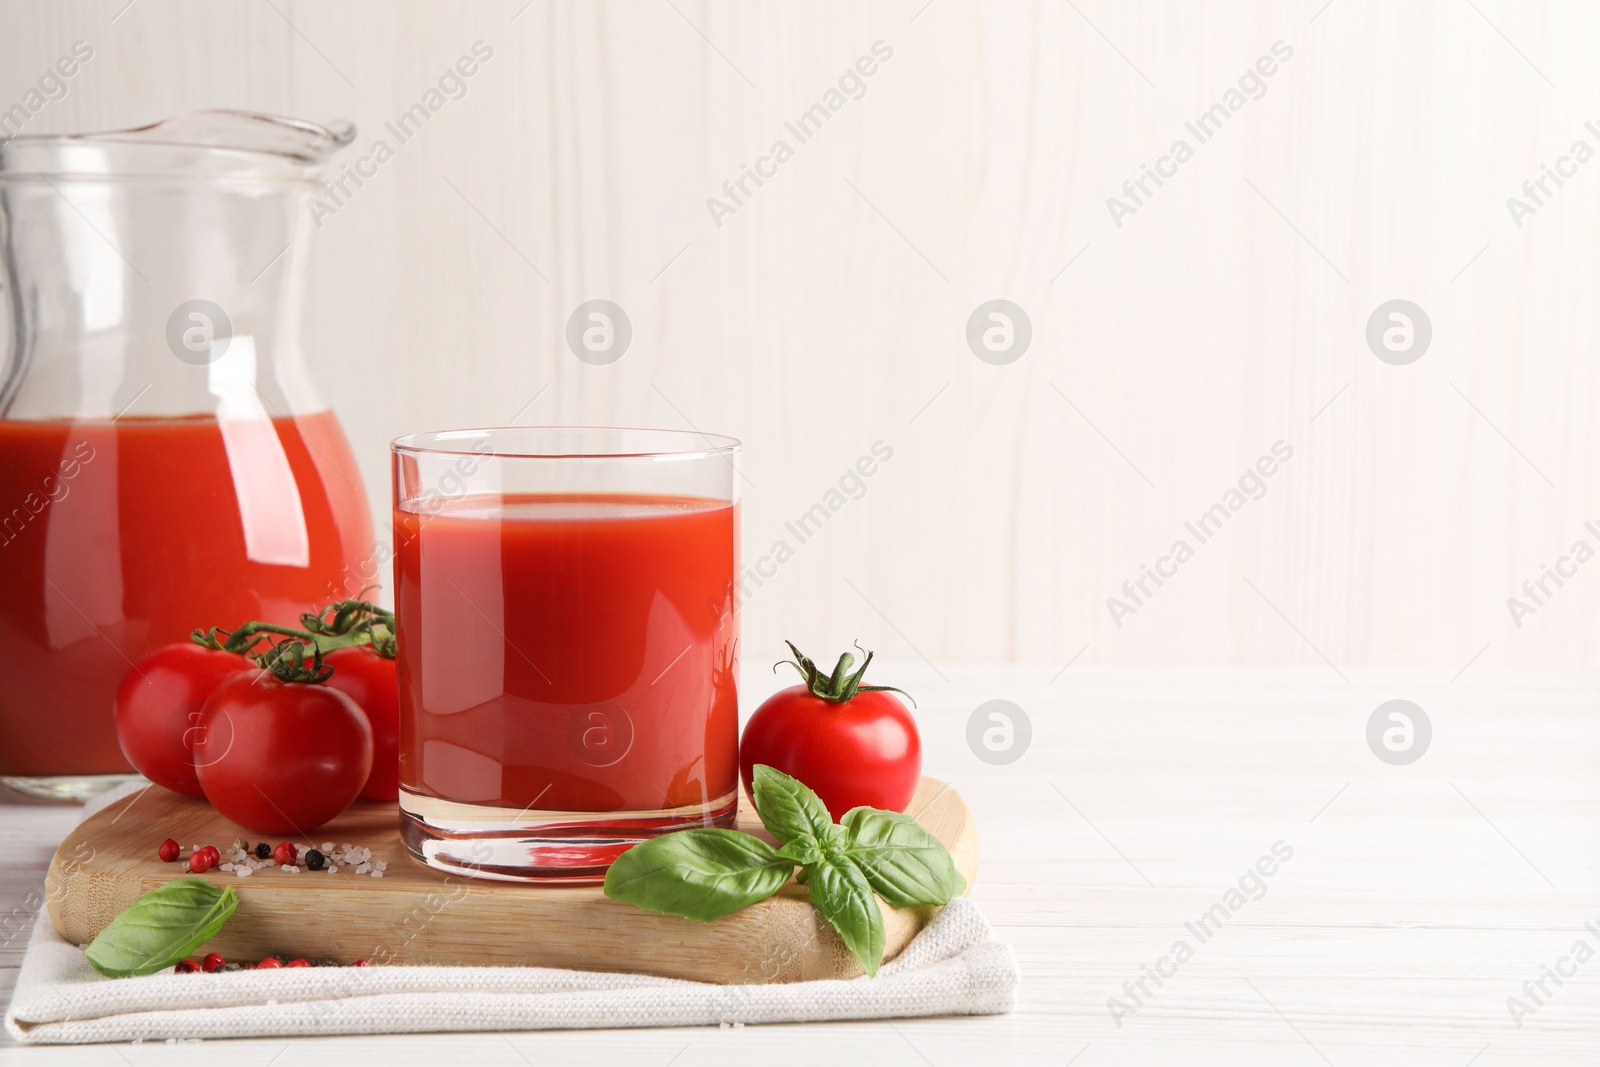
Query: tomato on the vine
[(369, 680), (852, 744), (282, 757), (157, 710)]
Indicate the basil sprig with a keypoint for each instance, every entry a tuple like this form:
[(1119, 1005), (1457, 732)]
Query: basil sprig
[(161, 928), (708, 873)]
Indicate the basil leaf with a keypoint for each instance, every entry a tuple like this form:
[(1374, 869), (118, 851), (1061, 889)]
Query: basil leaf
[(840, 892), (788, 810), (161, 928), (904, 863), (802, 851), (698, 874)]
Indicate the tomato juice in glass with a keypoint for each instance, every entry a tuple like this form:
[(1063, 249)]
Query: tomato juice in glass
[(567, 644), (118, 536)]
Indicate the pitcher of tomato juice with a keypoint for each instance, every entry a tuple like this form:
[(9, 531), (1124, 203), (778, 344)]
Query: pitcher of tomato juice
[(165, 462)]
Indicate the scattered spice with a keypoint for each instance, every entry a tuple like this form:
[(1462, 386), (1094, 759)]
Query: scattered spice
[(213, 963), (244, 859)]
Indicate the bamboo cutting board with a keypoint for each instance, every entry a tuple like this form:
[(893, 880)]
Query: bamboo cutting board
[(416, 915)]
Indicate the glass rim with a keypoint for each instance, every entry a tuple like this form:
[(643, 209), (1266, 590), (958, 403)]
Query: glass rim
[(239, 182), (243, 148), (432, 443)]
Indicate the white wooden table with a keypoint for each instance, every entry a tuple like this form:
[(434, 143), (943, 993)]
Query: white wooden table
[(1418, 898)]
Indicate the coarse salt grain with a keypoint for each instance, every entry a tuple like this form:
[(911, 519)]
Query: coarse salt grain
[(226, 867), (362, 869), (243, 871), (327, 846), (377, 874), (333, 870)]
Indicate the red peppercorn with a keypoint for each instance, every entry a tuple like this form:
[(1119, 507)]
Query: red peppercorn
[(285, 853), (301, 962), (361, 963), (169, 850), (211, 850), (200, 861), (268, 964), (185, 967), (213, 962)]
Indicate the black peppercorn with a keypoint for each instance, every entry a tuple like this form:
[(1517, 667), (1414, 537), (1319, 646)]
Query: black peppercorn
[(315, 859), (263, 851)]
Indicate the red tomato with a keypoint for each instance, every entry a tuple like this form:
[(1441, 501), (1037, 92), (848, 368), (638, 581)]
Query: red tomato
[(282, 757), (851, 744), (369, 680), (157, 710)]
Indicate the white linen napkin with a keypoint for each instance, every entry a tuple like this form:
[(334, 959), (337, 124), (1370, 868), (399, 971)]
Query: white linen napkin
[(954, 967)]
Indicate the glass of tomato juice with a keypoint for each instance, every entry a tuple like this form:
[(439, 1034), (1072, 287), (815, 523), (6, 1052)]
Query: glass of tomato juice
[(568, 634)]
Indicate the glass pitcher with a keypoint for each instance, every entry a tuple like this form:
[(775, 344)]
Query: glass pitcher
[(165, 462)]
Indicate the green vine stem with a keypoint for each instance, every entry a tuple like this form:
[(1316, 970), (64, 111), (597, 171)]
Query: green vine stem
[(297, 656)]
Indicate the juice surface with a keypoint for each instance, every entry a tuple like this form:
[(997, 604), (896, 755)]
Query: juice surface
[(568, 653), (117, 537)]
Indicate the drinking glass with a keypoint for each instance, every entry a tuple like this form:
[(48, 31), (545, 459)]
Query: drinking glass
[(568, 637)]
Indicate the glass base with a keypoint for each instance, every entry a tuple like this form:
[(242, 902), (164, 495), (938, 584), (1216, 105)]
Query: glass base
[(67, 788), (555, 847)]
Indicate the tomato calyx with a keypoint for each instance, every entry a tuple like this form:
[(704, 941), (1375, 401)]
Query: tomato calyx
[(843, 683), (287, 660)]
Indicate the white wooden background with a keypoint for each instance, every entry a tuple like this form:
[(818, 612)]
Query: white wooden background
[(829, 312)]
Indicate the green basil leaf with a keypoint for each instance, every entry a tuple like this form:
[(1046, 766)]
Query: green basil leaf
[(161, 928), (789, 810), (802, 851), (904, 863), (699, 874), (841, 893)]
